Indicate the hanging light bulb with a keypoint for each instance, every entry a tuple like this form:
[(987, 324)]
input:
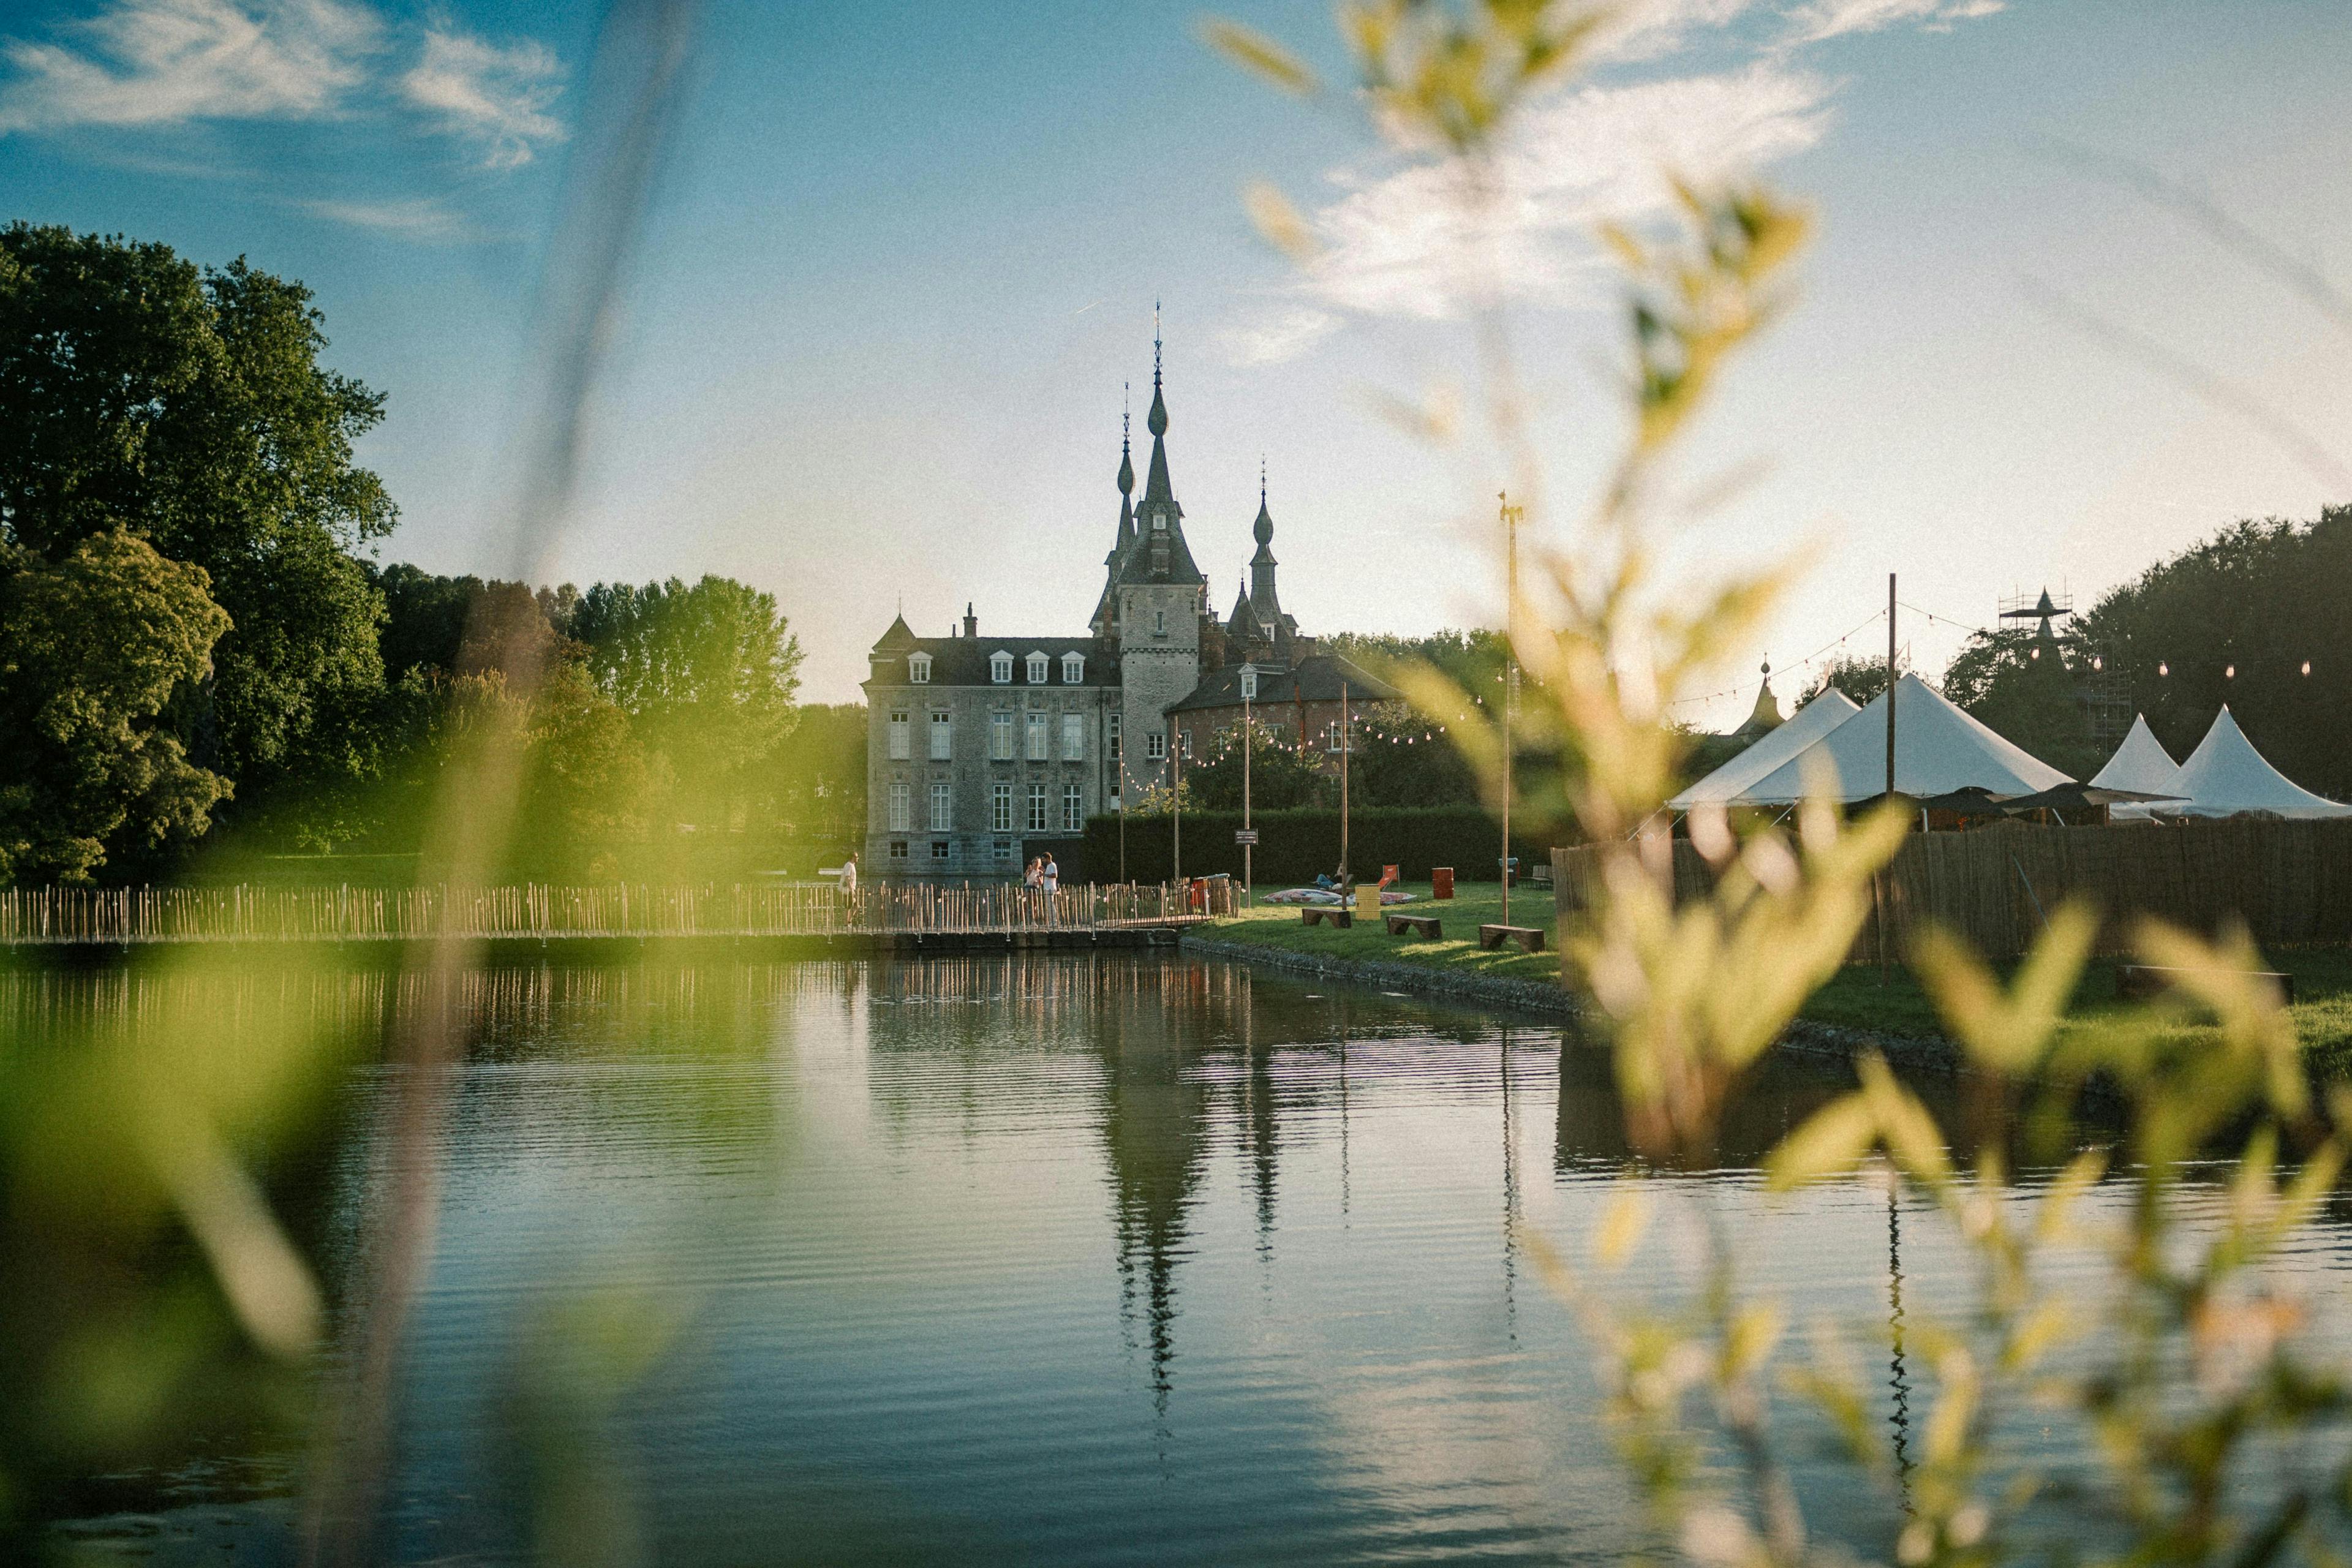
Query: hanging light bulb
[(2228, 672), (2306, 667), (2162, 668), (2037, 653), (2098, 663)]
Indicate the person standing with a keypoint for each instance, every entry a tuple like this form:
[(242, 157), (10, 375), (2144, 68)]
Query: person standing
[(849, 876), (1052, 874)]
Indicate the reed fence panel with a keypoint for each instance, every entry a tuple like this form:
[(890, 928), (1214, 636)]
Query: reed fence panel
[(66, 916), (2289, 881)]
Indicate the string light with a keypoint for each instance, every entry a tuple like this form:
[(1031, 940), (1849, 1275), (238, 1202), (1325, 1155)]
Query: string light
[(2306, 667), (2230, 672), (2162, 668)]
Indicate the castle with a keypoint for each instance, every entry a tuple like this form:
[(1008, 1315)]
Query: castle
[(985, 750)]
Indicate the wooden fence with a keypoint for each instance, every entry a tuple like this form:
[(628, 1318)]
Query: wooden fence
[(53, 915), (2289, 881)]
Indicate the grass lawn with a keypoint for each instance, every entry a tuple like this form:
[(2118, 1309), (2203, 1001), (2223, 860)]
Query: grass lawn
[(1855, 999), (1474, 904)]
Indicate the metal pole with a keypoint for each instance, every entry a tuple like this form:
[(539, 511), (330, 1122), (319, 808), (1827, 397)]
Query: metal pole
[(1879, 881), (1344, 749), (1249, 883), (1176, 801), (1511, 515), (1123, 810)]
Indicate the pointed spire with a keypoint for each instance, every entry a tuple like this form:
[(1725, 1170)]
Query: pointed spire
[(1126, 434), (1157, 421)]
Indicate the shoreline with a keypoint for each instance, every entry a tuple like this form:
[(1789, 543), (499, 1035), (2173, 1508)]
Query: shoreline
[(1803, 1038)]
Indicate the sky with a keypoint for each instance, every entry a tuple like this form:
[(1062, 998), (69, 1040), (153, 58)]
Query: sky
[(2066, 312)]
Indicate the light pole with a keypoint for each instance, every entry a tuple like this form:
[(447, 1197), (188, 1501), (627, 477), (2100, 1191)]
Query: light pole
[(1511, 517), (1249, 839), (1346, 746), (1176, 801)]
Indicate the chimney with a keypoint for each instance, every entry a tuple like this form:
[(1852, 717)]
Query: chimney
[(971, 621)]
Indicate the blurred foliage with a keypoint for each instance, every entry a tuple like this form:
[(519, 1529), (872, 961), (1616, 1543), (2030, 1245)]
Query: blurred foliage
[(2206, 1425), (2261, 598)]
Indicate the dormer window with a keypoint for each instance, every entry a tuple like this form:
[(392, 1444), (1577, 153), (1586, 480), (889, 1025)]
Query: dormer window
[(1000, 667), (1073, 669), (1159, 522), (1037, 665), (919, 669)]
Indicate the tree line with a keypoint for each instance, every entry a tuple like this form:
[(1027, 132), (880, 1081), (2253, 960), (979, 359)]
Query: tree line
[(198, 647)]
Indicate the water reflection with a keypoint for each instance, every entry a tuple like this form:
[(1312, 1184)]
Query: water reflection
[(1062, 1258)]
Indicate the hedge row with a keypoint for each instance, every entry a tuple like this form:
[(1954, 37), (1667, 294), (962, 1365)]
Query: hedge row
[(1294, 845)]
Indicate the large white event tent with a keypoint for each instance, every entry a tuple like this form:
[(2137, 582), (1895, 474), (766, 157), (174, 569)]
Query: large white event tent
[(1938, 749), (2225, 775), (1806, 725), (2142, 766)]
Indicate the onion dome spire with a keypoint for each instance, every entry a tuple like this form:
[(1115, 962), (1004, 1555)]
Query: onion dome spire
[(1125, 459), (1157, 420)]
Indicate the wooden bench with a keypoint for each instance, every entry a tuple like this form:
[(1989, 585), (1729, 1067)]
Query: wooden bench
[(2135, 981), (1338, 914), (1418, 925), (1529, 937)]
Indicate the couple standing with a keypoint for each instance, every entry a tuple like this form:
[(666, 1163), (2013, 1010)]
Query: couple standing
[(1043, 874)]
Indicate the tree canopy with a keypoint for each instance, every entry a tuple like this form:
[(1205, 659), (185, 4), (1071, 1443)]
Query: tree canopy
[(187, 406), (93, 649)]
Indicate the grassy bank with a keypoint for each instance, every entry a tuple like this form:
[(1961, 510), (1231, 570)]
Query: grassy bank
[(1855, 999)]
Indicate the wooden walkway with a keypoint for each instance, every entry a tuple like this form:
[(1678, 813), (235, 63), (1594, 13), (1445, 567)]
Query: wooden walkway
[(53, 917)]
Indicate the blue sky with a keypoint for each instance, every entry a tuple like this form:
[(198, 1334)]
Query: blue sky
[(903, 258)]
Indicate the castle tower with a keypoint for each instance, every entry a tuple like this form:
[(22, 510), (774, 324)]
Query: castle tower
[(1161, 597), (1106, 615)]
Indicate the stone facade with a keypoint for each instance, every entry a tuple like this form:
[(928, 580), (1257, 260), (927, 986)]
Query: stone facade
[(981, 749)]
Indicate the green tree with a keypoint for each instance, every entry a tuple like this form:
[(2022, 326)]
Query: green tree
[(820, 774), (188, 406), (2238, 619), (2029, 690), (90, 773), (1282, 774), (706, 674), (1860, 678)]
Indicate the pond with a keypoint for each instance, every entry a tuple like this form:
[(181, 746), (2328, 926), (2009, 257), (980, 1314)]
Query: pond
[(1049, 1259)]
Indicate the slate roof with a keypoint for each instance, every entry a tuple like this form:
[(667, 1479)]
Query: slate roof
[(963, 661), (1317, 680)]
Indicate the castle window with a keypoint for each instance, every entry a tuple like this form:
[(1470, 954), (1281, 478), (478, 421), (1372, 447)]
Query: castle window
[(1000, 809), (1073, 669), (1000, 667), (1074, 809), (1155, 746), (898, 806), (919, 669), (1036, 808), (897, 849), (1004, 845), (1073, 737), (1114, 738), (898, 735), (942, 807), (1039, 744), (1159, 522), (938, 850), (1000, 733), (1036, 670), (1160, 623)]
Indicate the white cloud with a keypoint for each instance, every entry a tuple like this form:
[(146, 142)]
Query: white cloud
[(1829, 18), (496, 94), (1410, 244), (1644, 29), (1277, 335), (164, 62), (417, 218)]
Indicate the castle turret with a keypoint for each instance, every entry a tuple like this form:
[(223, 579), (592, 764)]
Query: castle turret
[(1162, 599)]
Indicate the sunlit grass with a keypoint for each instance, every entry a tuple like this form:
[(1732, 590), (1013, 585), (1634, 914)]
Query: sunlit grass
[(1474, 904)]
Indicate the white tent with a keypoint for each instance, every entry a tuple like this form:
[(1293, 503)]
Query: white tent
[(2225, 775), (1938, 749), (2140, 764), (1806, 725)]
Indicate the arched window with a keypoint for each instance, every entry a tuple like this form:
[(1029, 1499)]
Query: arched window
[(1000, 667), (919, 669)]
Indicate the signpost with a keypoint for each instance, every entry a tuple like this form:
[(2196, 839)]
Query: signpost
[(1244, 837)]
